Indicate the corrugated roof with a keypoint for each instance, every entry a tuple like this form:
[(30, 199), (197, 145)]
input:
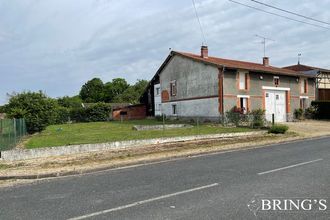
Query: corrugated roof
[(241, 65)]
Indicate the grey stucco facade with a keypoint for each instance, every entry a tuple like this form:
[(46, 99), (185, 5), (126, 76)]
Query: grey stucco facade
[(194, 86), (258, 80), (197, 88)]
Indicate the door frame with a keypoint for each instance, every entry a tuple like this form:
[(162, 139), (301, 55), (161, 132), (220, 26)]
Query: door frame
[(287, 98)]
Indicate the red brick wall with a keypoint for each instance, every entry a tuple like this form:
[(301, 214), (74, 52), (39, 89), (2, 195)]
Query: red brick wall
[(133, 112)]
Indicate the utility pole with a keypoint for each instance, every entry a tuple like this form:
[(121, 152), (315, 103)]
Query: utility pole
[(264, 41)]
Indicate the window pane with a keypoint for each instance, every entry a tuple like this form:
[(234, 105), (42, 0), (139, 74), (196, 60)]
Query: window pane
[(242, 81)]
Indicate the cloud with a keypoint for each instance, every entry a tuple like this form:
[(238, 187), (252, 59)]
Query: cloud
[(56, 46)]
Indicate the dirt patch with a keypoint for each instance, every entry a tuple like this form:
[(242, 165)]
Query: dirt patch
[(310, 128)]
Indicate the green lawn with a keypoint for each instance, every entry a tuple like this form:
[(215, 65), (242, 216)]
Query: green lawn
[(100, 132)]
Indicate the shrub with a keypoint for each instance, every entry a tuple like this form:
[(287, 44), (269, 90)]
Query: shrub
[(78, 114), (92, 113), (159, 117), (38, 110), (298, 113), (310, 112), (98, 112), (70, 102), (323, 109), (63, 115), (3, 109), (234, 115), (278, 129), (258, 118)]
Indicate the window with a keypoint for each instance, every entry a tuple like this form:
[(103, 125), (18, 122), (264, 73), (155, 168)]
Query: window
[(158, 107), (157, 91), (174, 110), (303, 103), (276, 80), (242, 80), (173, 88), (243, 105), (303, 85)]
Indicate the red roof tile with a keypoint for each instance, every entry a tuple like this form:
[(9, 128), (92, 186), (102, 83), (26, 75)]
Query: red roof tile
[(241, 65), (300, 67)]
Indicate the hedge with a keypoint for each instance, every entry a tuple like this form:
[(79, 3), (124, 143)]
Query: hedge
[(323, 109), (92, 113), (278, 129)]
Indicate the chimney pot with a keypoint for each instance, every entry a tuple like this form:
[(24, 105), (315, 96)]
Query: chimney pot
[(204, 52), (265, 61)]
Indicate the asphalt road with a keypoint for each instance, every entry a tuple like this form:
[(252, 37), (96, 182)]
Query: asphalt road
[(216, 186)]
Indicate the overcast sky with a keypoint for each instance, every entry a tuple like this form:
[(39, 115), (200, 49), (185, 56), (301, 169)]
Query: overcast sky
[(57, 45)]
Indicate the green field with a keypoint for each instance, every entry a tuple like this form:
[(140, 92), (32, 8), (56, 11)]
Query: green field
[(100, 132)]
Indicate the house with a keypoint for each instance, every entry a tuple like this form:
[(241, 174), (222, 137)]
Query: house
[(2, 116), (190, 85), (321, 75)]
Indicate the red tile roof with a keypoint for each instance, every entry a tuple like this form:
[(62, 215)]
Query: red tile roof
[(241, 65), (300, 67)]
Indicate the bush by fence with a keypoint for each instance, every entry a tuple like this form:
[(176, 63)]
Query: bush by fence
[(36, 108), (11, 131), (322, 109)]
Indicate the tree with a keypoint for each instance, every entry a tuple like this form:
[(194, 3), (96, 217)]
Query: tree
[(132, 93), (92, 91), (70, 102), (36, 108), (114, 88)]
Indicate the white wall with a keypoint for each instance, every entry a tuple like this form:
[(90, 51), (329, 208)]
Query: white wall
[(158, 100), (198, 107)]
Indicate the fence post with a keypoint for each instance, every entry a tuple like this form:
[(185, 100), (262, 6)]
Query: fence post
[(273, 119), (15, 132), (197, 121)]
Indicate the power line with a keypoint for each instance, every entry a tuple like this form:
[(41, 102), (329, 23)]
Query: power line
[(282, 16), (290, 12), (199, 22)]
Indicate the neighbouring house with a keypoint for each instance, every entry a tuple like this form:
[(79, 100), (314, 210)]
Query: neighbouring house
[(322, 79), (2, 115), (190, 85), (130, 112)]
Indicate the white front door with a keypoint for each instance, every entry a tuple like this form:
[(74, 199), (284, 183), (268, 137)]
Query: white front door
[(275, 104)]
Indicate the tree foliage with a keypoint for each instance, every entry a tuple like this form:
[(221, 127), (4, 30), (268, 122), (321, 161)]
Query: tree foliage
[(92, 91), (70, 102), (38, 110), (132, 93), (118, 90), (114, 88)]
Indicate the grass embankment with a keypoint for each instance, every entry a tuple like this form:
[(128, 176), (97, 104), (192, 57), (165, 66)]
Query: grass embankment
[(100, 132)]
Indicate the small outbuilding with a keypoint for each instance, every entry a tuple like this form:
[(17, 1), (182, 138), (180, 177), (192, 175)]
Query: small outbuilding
[(130, 112)]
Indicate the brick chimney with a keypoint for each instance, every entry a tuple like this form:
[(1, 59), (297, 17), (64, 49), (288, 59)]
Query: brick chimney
[(265, 61), (204, 52)]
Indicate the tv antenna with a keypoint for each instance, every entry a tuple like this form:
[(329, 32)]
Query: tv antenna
[(299, 55), (264, 41)]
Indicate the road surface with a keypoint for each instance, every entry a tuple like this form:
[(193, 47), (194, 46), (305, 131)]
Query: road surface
[(215, 186)]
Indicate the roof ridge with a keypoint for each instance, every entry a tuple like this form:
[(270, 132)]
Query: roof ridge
[(242, 61), (229, 63)]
